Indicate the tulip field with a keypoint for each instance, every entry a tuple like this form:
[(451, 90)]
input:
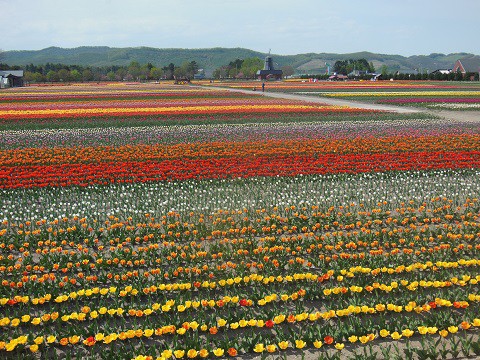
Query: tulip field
[(424, 94), (160, 221)]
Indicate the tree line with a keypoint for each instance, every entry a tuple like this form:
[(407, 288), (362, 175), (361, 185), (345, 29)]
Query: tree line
[(133, 72), (347, 66), (50, 72), (453, 76)]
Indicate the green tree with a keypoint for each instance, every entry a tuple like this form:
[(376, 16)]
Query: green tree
[(458, 76), (134, 70), (220, 73), (347, 66), (75, 75), (187, 69), (156, 73), (145, 71), (38, 77), (111, 76), (234, 67), (87, 75), (193, 67), (52, 76), (28, 76), (250, 66), (121, 73), (169, 71), (63, 75)]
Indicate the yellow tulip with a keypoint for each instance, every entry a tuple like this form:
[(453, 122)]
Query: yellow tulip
[(271, 348), (74, 339), (51, 339), (203, 353), (384, 333), (192, 353), (453, 329), (364, 339), (396, 335), (422, 330), (443, 333), (300, 344), (179, 353), (167, 354), (218, 352), (339, 346), (11, 346), (259, 348)]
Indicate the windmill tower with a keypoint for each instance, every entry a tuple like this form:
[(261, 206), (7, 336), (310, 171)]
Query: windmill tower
[(269, 71)]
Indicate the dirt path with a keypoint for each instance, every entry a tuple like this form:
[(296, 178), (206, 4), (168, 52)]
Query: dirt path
[(456, 116)]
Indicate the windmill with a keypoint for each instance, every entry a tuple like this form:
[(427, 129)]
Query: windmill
[(269, 70)]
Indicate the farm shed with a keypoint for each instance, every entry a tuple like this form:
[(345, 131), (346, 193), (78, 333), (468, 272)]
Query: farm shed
[(11, 78)]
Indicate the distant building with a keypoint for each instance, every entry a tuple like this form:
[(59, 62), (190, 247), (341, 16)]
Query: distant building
[(469, 64), (338, 77), (442, 71), (11, 78), (269, 71)]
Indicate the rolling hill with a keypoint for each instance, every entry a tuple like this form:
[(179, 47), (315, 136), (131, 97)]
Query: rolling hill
[(213, 58)]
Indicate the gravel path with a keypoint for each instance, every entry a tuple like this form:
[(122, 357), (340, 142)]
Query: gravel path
[(457, 116)]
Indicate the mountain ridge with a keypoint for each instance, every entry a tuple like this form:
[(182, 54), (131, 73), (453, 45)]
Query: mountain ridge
[(212, 58)]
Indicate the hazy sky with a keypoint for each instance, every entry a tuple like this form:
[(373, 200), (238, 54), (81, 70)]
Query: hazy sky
[(404, 27)]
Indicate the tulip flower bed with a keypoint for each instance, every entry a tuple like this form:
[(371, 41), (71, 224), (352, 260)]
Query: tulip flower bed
[(295, 85), (150, 104), (300, 232), (429, 94), (307, 152), (234, 282)]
